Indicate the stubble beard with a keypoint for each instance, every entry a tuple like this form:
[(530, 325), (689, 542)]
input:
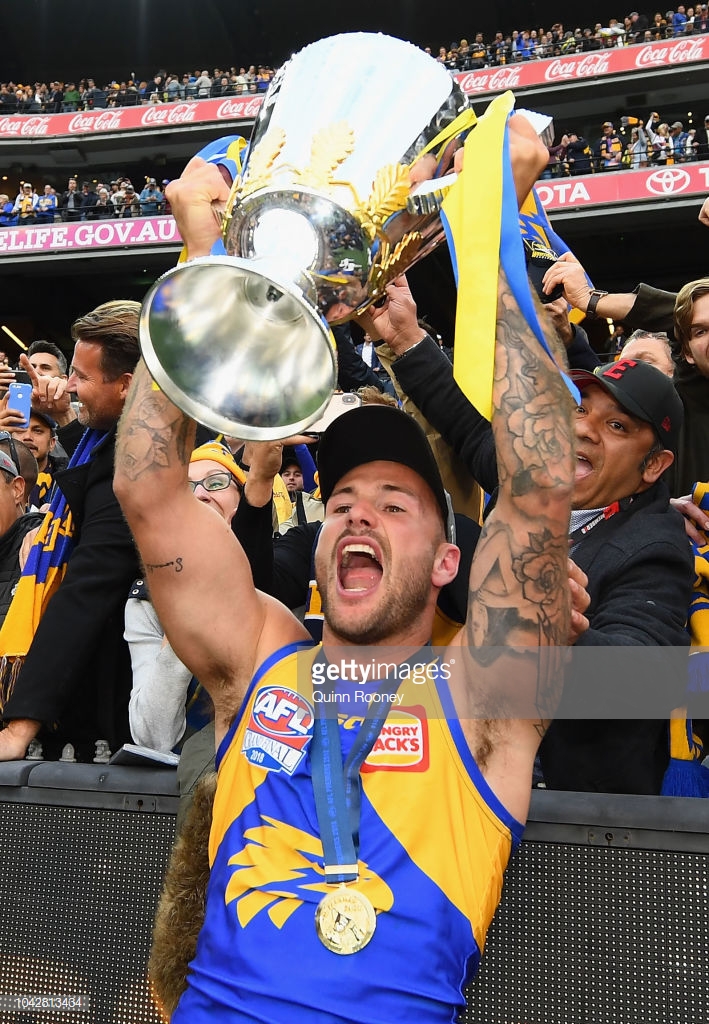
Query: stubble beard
[(396, 611)]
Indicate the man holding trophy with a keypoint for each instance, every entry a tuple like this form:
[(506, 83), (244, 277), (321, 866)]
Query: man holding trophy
[(363, 817)]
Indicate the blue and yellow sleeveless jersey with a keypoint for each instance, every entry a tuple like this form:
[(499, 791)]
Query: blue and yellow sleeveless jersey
[(434, 843)]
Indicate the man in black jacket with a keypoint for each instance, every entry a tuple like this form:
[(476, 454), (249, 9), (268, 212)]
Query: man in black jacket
[(76, 677), (636, 556)]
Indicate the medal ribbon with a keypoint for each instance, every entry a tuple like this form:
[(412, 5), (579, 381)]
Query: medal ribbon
[(337, 789)]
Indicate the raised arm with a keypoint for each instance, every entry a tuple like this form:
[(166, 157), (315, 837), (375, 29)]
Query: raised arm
[(517, 627), (218, 624)]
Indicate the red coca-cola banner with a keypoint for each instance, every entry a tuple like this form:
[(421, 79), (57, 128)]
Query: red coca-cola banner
[(608, 187), (96, 234), (614, 61), (117, 119)]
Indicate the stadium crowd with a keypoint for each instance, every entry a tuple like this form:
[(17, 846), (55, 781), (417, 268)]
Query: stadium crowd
[(464, 55), (95, 200)]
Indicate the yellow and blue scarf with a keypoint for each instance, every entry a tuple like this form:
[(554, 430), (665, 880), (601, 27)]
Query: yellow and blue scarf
[(685, 775), (481, 221), (41, 576)]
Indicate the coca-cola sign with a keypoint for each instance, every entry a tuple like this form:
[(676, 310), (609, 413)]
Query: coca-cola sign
[(683, 52), (590, 64), (157, 115), (169, 113), (239, 108), (490, 81), (91, 121), (616, 60), (24, 126)]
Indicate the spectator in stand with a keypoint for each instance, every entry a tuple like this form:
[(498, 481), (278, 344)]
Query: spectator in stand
[(47, 206), (8, 217), (152, 201), (579, 156), (701, 141), (526, 47), (172, 88), (478, 53), (609, 148), (679, 21), (53, 104), (72, 98), (203, 86), (661, 140), (130, 204), (26, 205), (103, 208), (464, 55), (637, 148), (500, 50), (71, 202), (679, 139), (659, 27), (557, 166), (701, 19), (88, 199), (242, 83), (638, 27)]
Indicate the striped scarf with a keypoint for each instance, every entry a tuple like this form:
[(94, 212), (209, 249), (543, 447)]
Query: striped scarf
[(685, 775), (41, 576)]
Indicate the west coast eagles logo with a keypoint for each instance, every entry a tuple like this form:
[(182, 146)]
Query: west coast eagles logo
[(280, 868), (279, 730)]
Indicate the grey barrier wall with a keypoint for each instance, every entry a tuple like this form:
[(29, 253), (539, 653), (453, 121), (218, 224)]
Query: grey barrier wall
[(604, 918)]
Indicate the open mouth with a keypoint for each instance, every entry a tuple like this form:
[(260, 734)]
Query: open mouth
[(359, 567), (583, 467)]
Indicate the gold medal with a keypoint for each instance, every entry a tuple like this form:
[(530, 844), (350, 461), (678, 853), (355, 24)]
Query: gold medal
[(345, 920)]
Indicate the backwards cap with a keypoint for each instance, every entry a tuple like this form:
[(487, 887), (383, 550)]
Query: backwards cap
[(643, 391), (7, 464), (373, 433)]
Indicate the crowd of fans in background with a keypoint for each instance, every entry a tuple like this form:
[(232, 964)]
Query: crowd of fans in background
[(95, 200), (66, 97), (505, 48), (635, 144)]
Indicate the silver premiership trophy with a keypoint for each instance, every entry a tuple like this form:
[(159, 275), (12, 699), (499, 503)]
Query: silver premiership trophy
[(339, 194)]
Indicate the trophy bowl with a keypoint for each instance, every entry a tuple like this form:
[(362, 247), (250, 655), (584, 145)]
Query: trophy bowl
[(323, 216)]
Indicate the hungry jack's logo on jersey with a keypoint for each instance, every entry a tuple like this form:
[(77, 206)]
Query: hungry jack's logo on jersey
[(280, 868), (279, 730), (402, 744)]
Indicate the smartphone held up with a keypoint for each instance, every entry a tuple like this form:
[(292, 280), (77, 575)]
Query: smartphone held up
[(19, 398)]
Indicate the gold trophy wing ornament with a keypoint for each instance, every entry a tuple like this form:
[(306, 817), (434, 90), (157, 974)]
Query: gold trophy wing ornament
[(315, 228)]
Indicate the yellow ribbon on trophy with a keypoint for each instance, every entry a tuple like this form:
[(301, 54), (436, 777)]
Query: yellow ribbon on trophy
[(472, 214), (481, 221)]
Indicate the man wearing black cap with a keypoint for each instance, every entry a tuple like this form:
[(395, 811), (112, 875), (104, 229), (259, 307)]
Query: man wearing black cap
[(632, 546), (350, 880), (624, 536)]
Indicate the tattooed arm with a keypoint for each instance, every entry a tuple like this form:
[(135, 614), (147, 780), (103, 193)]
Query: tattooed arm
[(198, 575), (512, 644)]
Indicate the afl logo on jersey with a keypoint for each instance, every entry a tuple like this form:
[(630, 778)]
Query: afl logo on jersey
[(279, 730)]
